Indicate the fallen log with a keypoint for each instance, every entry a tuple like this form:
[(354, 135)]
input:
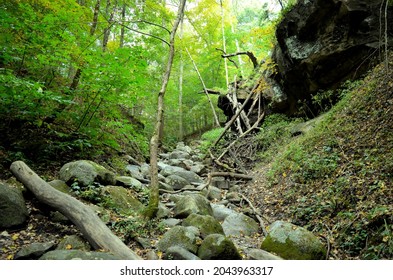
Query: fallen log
[(84, 218)]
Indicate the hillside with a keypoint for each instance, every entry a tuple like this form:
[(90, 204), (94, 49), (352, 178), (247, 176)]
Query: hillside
[(336, 179)]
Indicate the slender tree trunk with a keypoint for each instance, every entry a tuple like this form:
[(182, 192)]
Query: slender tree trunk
[(224, 47), (181, 70), (107, 32), (95, 17), (152, 208), (123, 30)]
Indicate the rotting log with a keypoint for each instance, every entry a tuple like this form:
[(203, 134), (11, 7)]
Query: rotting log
[(84, 218)]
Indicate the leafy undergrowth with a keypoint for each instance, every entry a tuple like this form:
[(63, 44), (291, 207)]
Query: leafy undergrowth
[(336, 180)]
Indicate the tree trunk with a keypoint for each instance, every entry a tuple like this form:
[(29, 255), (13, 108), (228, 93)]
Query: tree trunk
[(122, 30), (152, 207), (95, 17), (181, 72), (107, 31), (85, 219), (224, 44)]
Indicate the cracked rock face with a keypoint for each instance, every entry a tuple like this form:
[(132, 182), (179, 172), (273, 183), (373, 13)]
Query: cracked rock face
[(324, 42)]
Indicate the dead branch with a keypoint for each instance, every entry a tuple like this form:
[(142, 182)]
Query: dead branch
[(229, 124), (250, 55), (210, 91), (85, 219), (241, 136)]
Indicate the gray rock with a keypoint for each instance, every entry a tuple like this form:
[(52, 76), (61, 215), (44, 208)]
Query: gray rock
[(13, 210), (179, 155), (179, 253), (220, 212), (220, 182), (77, 255), (218, 247), (170, 222), (239, 224), (258, 254), (184, 148), (214, 193), (206, 224), (73, 242), (193, 203), (190, 176), (121, 199), (176, 182), (163, 211), (34, 251), (179, 236), (145, 170), (198, 168), (126, 181), (293, 243), (134, 171), (86, 172)]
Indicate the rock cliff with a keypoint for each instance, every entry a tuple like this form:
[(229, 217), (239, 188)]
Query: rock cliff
[(321, 43)]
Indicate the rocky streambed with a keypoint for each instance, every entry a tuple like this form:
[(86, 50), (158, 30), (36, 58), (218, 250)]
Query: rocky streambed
[(198, 218)]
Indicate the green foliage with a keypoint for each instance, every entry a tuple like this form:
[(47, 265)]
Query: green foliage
[(90, 193), (136, 227), (275, 132), (209, 137)]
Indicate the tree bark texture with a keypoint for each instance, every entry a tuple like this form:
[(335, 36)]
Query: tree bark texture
[(85, 219)]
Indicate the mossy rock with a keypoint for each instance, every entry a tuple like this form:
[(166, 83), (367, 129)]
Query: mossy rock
[(193, 203), (218, 247), (85, 173), (292, 242), (121, 199), (184, 237), (206, 224)]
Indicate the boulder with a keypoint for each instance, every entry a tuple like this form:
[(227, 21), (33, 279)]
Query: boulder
[(129, 182), (206, 224), (13, 210), (185, 237), (293, 243), (321, 43), (33, 251), (73, 242), (176, 182), (193, 203), (134, 171), (77, 255), (179, 253), (121, 199), (220, 212), (85, 173), (239, 224), (218, 247), (190, 176)]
